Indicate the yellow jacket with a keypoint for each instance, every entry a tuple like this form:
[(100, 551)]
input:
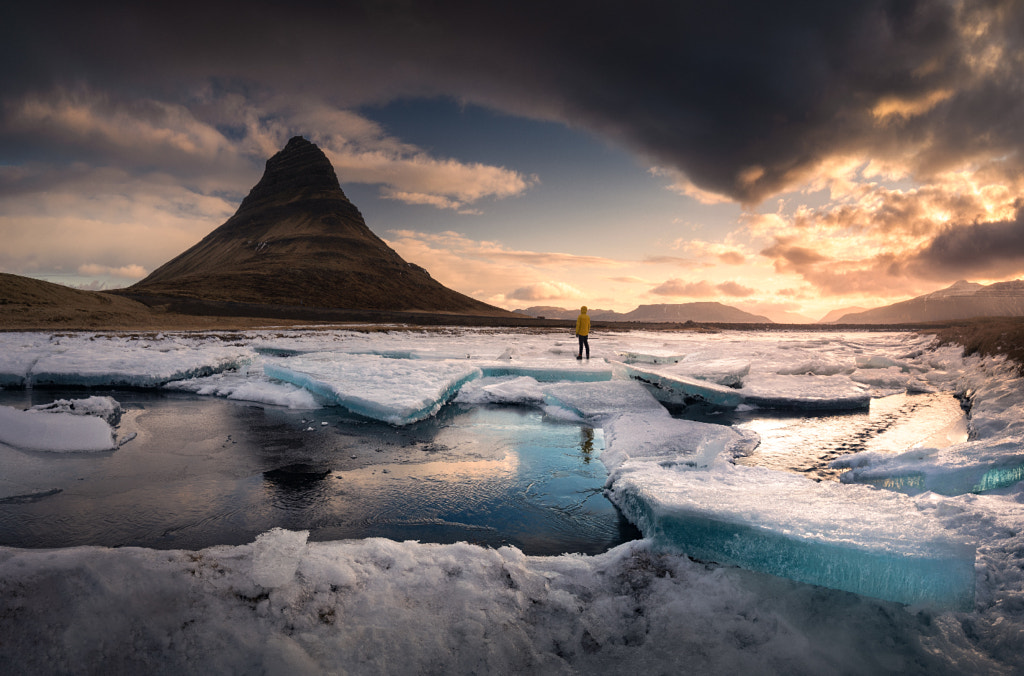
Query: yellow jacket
[(583, 323)]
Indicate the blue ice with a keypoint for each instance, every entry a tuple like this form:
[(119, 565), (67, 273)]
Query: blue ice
[(854, 538), (679, 389)]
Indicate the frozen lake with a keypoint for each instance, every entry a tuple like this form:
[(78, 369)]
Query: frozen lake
[(467, 500)]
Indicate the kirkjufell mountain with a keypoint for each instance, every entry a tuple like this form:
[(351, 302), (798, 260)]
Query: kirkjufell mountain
[(296, 240)]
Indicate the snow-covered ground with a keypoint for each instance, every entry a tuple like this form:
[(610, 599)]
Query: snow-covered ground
[(784, 574)]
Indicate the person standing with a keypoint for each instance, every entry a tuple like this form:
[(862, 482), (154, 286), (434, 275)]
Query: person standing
[(583, 331)]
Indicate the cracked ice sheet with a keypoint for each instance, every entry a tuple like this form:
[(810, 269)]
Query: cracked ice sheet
[(836, 392), (243, 385), (122, 362), (992, 459), (859, 539), (396, 391)]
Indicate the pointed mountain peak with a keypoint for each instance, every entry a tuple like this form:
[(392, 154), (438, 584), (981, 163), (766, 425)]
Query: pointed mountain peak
[(300, 169)]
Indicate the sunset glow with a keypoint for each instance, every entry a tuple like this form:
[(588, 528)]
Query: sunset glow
[(786, 163)]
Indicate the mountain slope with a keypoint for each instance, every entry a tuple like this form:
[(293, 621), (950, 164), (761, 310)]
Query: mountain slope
[(297, 240), (963, 300)]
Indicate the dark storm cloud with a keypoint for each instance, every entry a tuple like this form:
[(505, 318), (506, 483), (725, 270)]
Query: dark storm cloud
[(744, 96), (995, 248)]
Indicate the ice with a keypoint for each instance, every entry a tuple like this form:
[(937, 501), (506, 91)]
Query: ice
[(276, 556), (679, 389), (283, 603), (867, 541), (114, 362), (397, 391), (727, 372), (654, 357), (804, 392), (381, 607), (56, 431), (245, 385), (992, 458), (106, 408), (521, 390), (586, 371), (971, 467)]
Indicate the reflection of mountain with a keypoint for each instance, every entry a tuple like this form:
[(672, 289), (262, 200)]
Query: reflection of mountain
[(963, 300), (297, 240), (664, 312)]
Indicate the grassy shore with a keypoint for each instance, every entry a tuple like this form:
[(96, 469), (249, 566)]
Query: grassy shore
[(987, 337)]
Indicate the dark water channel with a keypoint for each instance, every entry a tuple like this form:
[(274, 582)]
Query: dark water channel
[(203, 471)]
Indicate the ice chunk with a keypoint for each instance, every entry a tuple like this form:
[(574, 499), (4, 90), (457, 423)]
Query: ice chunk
[(970, 467), (769, 390), (653, 357), (856, 538), (106, 408), (522, 390), (276, 556), (892, 377), (550, 371), (671, 388), (727, 372), (113, 363), (814, 367), (636, 425), (601, 401), (55, 431), (397, 391), (243, 386)]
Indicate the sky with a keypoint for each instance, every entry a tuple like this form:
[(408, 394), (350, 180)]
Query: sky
[(786, 158)]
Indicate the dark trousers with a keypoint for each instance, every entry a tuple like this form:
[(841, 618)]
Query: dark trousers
[(584, 344)]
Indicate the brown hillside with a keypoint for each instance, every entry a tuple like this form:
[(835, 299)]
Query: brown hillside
[(297, 240)]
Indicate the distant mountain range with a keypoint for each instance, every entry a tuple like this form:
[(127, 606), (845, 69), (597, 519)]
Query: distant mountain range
[(963, 300), (664, 312)]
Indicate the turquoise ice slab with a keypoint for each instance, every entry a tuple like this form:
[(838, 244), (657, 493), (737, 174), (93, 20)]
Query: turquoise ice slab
[(396, 391), (854, 538), (679, 389)]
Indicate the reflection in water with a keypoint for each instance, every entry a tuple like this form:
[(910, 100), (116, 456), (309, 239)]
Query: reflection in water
[(587, 443), (208, 471)]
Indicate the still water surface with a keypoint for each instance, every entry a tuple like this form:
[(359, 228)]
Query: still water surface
[(205, 471)]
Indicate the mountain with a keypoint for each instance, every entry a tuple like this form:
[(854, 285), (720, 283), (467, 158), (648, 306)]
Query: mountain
[(296, 240), (835, 315), (551, 312), (963, 300), (666, 312), (693, 312)]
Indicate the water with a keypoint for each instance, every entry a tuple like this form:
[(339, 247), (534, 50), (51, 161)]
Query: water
[(205, 471)]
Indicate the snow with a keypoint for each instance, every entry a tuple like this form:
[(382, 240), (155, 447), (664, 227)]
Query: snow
[(112, 361), (835, 392), (740, 569), (57, 431), (397, 391)]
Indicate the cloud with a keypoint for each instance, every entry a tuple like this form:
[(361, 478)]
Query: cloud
[(546, 291), (739, 98), (972, 250), (701, 289), (735, 290), (132, 271)]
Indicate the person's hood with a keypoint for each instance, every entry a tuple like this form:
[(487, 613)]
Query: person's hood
[(583, 310)]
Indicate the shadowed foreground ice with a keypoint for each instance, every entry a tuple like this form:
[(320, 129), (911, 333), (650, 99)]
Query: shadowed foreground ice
[(742, 568)]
